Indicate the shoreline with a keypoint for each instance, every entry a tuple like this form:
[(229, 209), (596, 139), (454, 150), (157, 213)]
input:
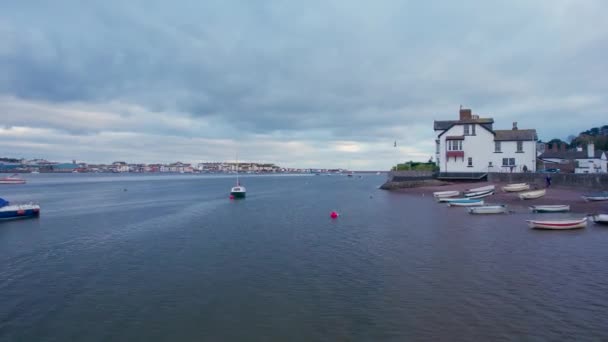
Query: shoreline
[(555, 195)]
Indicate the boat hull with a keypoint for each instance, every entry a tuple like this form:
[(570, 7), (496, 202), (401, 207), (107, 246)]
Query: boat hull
[(550, 208), (238, 194), (482, 189), (596, 198), (481, 195), (10, 181), (532, 194), (488, 209), (558, 225), (515, 187), (600, 218), (446, 194), (11, 212), (465, 203)]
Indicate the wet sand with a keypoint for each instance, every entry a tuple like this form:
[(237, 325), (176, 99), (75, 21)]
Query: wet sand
[(555, 195)]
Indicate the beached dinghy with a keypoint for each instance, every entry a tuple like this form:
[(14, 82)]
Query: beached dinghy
[(479, 194), (516, 187), (558, 224), (465, 203), (488, 209), (560, 208), (481, 189), (532, 194), (446, 194), (602, 196), (600, 218), (15, 211)]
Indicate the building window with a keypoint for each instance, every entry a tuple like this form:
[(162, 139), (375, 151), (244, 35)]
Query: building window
[(508, 161), (454, 145), (466, 129), (520, 146), (436, 146), (473, 128), (497, 146), (490, 164), (470, 162)]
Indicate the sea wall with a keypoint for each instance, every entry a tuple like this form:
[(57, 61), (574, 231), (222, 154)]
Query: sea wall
[(410, 179), (578, 180)]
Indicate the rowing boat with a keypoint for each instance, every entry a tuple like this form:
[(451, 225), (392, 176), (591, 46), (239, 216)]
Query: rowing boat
[(558, 224), (488, 209), (465, 203), (445, 194), (532, 194), (600, 218), (483, 188), (550, 208), (516, 187), (602, 196)]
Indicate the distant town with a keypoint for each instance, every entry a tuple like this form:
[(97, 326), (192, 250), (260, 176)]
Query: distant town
[(11, 165)]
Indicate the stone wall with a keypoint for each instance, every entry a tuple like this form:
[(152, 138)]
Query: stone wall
[(590, 181), (403, 176)]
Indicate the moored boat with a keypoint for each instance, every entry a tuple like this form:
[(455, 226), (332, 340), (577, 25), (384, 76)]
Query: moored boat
[(488, 209), (465, 203), (559, 208), (15, 211), (600, 218), (479, 194), (532, 194), (445, 194), (602, 196), (238, 191), (14, 179), (482, 189), (558, 224), (516, 187)]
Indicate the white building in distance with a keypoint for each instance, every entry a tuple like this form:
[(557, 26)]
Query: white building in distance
[(472, 145)]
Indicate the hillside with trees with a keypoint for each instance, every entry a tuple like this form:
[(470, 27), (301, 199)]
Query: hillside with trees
[(596, 135)]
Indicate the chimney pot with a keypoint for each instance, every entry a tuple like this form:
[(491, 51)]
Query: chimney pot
[(515, 125), (466, 114)]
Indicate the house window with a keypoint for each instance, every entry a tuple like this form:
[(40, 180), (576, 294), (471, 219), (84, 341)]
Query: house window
[(466, 129), (490, 164), (473, 128), (520, 146), (508, 161), (436, 146), (470, 162), (497, 146), (454, 145)]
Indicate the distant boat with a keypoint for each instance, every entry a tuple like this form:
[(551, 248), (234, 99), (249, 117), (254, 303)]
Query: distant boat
[(35, 172), (516, 187), (465, 203), (14, 179), (600, 218), (532, 194), (378, 173), (479, 194), (602, 196), (15, 211), (481, 189), (558, 224), (238, 191), (550, 208), (488, 209), (446, 194)]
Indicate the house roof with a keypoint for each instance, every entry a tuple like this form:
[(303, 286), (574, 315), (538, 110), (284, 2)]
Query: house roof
[(569, 155), (515, 135), (446, 124)]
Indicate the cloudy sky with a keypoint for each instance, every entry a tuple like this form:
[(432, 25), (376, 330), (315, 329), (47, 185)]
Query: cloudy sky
[(302, 84)]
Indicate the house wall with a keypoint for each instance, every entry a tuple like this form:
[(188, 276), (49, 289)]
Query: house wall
[(591, 166)]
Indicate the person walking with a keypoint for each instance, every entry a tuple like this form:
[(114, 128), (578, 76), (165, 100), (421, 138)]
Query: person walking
[(548, 180)]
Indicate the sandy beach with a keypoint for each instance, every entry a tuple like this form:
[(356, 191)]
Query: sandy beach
[(555, 195)]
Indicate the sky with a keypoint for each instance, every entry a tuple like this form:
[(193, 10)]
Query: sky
[(317, 83)]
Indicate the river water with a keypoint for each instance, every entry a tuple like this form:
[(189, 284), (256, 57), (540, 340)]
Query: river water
[(171, 258)]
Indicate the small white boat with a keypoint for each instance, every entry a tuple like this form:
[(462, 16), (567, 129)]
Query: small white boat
[(451, 199), (14, 179), (482, 189), (560, 208), (465, 203), (558, 224), (488, 209), (516, 187), (532, 194), (602, 196), (600, 218), (479, 193), (482, 195), (445, 194)]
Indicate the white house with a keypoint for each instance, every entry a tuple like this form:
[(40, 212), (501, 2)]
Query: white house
[(585, 161), (471, 144)]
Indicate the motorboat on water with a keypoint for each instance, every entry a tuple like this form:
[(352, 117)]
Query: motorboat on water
[(558, 224), (237, 191), (488, 209), (558, 208), (15, 211), (532, 194), (13, 179)]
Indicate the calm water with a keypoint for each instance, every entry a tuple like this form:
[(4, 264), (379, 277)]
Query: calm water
[(173, 259)]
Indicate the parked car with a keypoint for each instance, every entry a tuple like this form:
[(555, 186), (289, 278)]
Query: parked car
[(550, 171)]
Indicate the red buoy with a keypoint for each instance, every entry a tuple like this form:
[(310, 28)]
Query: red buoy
[(333, 215), (231, 196)]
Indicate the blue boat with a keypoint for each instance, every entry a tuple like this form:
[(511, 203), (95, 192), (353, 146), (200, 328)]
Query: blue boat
[(16, 211), (465, 203)]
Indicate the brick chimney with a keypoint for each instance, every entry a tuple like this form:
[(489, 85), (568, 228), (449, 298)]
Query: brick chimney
[(590, 151), (466, 114), (564, 146)]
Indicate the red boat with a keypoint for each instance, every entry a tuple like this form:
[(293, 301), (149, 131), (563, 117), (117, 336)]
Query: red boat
[(14, 179)]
